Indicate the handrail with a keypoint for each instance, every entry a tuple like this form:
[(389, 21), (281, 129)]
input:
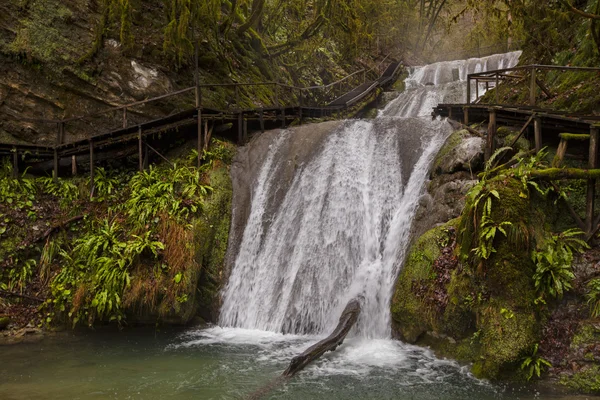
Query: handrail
[(488, 76), (536, 66)]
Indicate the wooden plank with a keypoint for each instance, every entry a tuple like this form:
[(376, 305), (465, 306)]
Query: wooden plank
[(560, 153), (537, 123)]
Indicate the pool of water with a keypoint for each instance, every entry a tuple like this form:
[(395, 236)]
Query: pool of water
[(216, 363)]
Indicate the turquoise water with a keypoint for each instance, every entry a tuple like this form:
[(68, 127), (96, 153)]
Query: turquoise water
[(220, 363)]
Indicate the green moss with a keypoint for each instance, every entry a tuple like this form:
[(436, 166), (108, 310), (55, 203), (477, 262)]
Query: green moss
[(587, 380), (451, 143), (411, 315), (211, 232), (585, 335)]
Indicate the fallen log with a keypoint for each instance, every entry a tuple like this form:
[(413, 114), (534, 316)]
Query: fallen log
[(347, 320), (554, 174)]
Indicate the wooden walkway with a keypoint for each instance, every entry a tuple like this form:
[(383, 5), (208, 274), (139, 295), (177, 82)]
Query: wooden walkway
[(547, 126), (333, 100)]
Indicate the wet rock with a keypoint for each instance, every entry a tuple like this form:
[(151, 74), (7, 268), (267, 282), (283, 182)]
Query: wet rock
[(462, 152)]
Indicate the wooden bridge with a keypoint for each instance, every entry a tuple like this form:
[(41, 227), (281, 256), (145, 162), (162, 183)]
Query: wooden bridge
[(547, 126), (332, 100)]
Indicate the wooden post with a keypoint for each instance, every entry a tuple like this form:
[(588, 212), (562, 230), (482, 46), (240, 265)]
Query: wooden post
[(497, 88), (199, 137), (125, 117), (91, 169), (276, 94), (476, 90), (466, 115), (55, 172), (300, 115), (146, 156), (15, 163), (450, 112), (73, 165), (61, 132), (240, 129), (237, 97), (197, 75), (262, 120), (245, 132), (537, 123), (283, 118), (591, 189), (205, 140), (468, 90), (492, 127), (140, 149), (532, 88)]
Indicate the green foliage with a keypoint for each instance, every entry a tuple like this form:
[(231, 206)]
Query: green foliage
[(97, 268), (177, 192), (593, 297), (65, 190), (553, 273), (19, 276), (533, 364), (104, 184)]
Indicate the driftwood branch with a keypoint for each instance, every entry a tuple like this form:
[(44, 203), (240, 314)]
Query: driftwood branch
[(347, 320)]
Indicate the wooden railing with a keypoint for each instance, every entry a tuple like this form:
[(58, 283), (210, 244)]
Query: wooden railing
[(529, 74), (284, 95)]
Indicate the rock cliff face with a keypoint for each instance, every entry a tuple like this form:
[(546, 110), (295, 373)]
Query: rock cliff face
[(490, 311)]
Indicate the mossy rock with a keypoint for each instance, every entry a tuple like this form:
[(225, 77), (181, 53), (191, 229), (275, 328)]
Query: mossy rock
[(412, 317), (461, 152), (587, 380)]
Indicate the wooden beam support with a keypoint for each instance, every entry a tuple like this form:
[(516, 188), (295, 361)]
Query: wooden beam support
[(200, 147), (262, 120), (125, 117), (245, 133), (560, 153), (283, 118), (591, 189), (55, 169), (537, 123), (15, 163), (74, 165), (497, 88), (240, 129), (466, 115), (140, 150), (532, 87), (522, 131), (468, 92), (491, 136), (91, 168)]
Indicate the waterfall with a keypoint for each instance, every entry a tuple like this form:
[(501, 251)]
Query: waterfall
[(341, 228)]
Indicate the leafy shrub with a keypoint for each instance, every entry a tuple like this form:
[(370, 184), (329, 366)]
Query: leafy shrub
[(534, 364), (553, 273), (593, 297)]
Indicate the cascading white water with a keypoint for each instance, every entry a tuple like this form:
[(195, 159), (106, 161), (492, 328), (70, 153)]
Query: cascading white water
[(343, 226)]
